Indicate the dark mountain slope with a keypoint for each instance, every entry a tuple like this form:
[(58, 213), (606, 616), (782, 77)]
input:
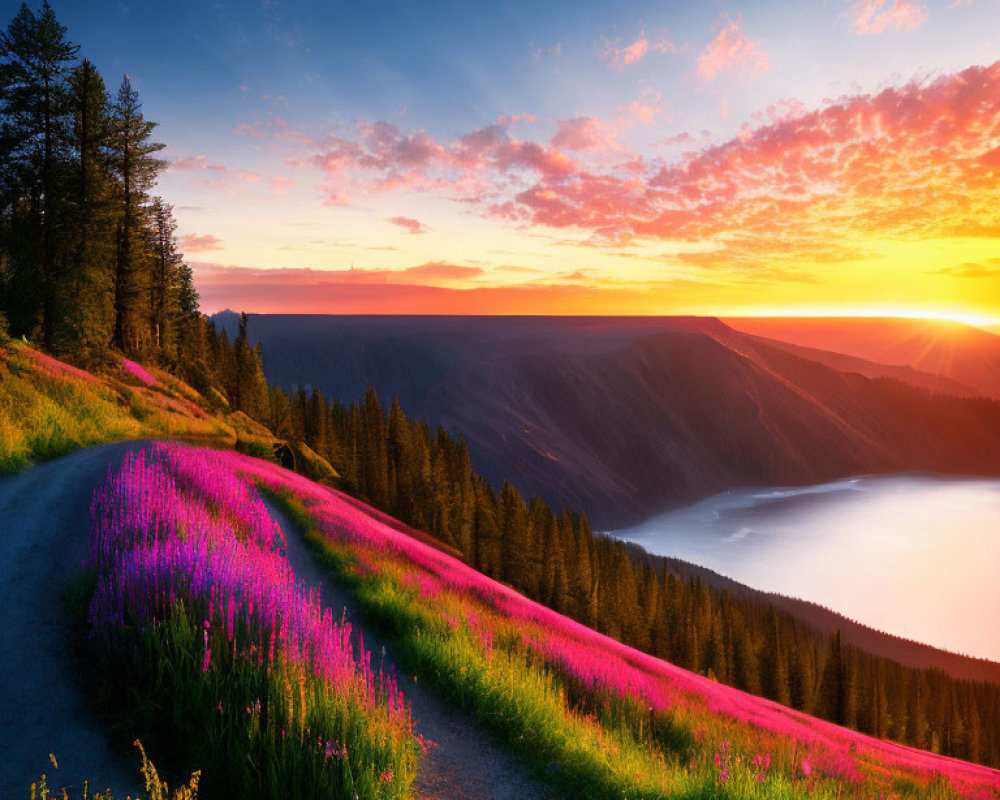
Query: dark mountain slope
[(627, 417), (962, 353)]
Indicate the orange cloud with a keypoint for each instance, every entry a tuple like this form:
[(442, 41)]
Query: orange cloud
[(412, 225), (303, 291), (731, 50), (432, 273), (795, 186), (911, 163), (973, 269), (879, 16), (195, 243)]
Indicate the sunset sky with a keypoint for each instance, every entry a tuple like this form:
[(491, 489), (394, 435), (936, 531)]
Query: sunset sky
[(554, 157)]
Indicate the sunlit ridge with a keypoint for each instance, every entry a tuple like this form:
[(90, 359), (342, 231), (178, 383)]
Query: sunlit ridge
[(966, 317)]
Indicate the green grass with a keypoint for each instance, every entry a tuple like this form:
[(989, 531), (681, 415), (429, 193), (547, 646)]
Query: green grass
[(44, 416), (586, 743), (295, 719), (255, 732), (518, 697)]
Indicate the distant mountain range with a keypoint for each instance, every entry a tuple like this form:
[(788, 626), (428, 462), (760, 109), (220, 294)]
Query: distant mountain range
[(626, 417)]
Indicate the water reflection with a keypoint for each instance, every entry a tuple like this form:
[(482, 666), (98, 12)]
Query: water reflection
[(918, 556)]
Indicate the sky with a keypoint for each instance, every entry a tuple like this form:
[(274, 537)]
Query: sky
[(722, 158)]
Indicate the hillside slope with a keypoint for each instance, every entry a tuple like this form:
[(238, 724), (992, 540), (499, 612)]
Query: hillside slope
[(812, 616), (474, 635), (55, 408), (627, 417), (51, 408), (875, 642), (958, 352)]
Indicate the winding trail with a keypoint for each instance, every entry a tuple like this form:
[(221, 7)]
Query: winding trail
[(44, 529), (466, 764)]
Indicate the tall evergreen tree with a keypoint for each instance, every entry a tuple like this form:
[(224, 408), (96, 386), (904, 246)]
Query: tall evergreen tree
[(91, 228), (164, 278), (135, 167), (832, 693), (35, 63)]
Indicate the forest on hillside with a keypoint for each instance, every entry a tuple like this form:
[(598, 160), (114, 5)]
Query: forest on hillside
[(425, 478), (90, 270)]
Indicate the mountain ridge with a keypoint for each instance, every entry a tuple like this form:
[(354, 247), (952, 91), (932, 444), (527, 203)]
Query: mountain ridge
[(627, 417)]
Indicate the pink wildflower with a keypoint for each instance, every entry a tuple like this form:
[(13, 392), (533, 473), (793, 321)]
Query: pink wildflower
[(208, 657), (138, 372)]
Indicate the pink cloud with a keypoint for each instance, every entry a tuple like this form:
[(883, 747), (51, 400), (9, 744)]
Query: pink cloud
[(198, 162), (619, 57), (584, 133), (223, 177), (644, 110), (384, 158), (410, 224), (794, 185), (802, 185), (255, 130), (200, 243), (732, 51), (879, 16)]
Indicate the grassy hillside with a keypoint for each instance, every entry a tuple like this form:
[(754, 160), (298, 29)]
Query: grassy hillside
[(50, 408), (227, 662), (596, 718)]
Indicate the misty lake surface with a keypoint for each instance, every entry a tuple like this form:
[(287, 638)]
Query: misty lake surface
[(915, 555)]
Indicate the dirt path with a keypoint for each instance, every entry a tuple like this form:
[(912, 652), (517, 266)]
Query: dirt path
[(466, 764), (44, 529)]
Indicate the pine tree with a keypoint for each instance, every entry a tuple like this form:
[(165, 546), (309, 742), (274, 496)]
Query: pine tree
[(514, 535), (91, 227), (192, 349), (135, 167), (773, 667), (832, 693), (247, 387), (164, 280), (35, 63)]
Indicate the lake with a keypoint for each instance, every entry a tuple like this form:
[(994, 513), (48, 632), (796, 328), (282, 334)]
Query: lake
[(915, 555)]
